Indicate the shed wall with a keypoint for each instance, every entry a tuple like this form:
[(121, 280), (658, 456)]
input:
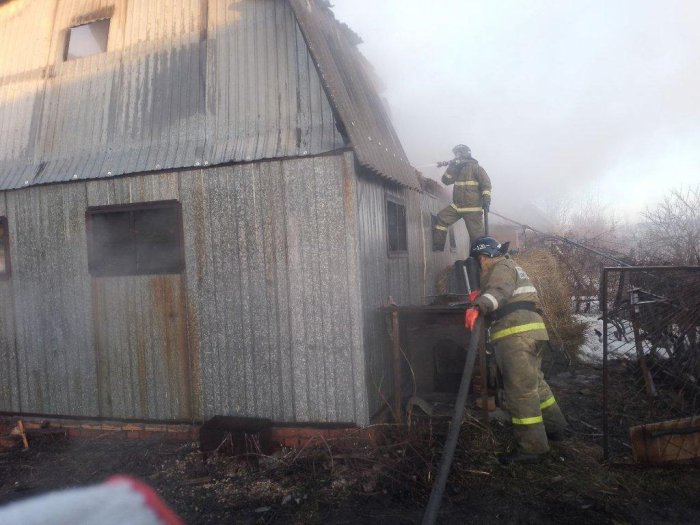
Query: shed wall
[(212, 81), (265, 321), (408, 279)]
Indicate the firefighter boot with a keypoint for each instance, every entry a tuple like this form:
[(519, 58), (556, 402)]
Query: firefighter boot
[(519, 456), (439, 237)]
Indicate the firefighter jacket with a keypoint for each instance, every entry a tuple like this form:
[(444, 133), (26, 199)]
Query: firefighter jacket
[(471, 185), (510, 299)]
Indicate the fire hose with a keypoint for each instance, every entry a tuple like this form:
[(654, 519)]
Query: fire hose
[(448, 452)]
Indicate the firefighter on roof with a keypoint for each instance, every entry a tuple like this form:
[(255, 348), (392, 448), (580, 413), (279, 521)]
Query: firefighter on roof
[(470, 197), (519, 337)]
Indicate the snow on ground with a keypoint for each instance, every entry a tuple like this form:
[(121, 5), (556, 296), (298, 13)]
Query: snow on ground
[(619, 345)]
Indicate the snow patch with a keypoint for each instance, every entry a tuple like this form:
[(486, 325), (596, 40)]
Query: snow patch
[(619, 344)]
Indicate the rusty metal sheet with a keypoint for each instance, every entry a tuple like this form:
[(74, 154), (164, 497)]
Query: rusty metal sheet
[(143, 367)]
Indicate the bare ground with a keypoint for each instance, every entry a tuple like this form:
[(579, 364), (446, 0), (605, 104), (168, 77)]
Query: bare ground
[(347, 482)]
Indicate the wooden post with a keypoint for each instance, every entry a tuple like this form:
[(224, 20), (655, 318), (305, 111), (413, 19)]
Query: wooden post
[(648, 380), (396, 353)]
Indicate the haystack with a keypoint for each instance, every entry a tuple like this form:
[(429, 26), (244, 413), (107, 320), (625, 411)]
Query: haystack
[(565, 331)]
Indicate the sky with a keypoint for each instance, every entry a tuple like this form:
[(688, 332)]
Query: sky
[(558, 99)]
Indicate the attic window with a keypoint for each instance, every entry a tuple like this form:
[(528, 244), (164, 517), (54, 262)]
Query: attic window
[(87, 39), (4, 249), (141, 239), (396, 228)]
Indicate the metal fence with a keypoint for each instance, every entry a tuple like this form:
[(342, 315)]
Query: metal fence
[(651, 348)]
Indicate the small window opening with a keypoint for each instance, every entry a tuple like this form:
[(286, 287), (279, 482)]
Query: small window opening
[(87, 39), (142, 239), (4, 249), (396, 226)]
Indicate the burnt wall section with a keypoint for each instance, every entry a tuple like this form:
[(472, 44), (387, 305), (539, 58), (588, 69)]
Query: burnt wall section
[(264, 321), (211, 82), (409, 279)]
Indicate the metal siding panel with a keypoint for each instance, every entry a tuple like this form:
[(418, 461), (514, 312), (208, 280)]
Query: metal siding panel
[(54, 339), (192, 197), (142, 347), (301, 358), (355, 327), (403, 278), (375, 287), (144, 359), (276, 280), (9, 381), (161, 91), (270, 298), (312, 296)]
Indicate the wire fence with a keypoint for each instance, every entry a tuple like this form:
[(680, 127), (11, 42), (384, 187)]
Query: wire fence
[(651, 348)]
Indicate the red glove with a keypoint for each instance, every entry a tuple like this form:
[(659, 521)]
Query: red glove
[(473, 295), (470, 318)]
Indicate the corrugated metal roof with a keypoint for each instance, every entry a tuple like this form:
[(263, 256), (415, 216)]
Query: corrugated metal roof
[(227, 82), (352, 94)]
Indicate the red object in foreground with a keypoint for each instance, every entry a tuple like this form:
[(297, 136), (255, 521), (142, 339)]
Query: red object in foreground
[(470, 317), (151, 498), (473, 295)]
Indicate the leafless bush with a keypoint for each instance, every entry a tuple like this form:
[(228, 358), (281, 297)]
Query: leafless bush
[(670, 233)]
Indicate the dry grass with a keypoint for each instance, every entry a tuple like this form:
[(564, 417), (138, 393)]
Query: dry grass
[(555, 294)]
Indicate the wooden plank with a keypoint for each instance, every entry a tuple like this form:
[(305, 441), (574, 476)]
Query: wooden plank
[(666, 442)]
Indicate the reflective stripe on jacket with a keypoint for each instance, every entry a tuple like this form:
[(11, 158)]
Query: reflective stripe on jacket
[(502, 283), (471, 183)]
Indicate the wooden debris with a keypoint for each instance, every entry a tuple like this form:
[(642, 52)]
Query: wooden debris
[(23, 434), (666, 442)]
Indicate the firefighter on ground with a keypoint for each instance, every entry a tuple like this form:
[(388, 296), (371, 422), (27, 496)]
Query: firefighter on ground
[(519, 338), (470, 197)]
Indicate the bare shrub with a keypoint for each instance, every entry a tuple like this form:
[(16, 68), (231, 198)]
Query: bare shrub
[(670, 233)]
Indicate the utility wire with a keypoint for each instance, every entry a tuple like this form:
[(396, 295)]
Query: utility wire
[(563, 239)]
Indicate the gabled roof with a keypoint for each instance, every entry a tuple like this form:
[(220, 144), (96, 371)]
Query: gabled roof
[(352, 94), (249, 91)]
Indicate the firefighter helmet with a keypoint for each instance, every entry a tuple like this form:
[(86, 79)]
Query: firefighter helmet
[(460, 150), (488, 246)]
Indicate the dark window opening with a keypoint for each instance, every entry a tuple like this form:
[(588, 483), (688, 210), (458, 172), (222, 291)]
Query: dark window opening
[(141, 239), (87, 39), (396, 227), (4, 249)]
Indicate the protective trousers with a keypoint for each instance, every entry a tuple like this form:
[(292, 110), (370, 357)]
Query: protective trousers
[(448, 216), (528, 397)]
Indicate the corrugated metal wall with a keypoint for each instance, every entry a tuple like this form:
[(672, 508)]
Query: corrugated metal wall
[(265, 321), (212, 81), (408, 279)]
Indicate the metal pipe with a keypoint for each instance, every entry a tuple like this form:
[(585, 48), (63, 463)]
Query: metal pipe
[(604, 301), (433, 507)]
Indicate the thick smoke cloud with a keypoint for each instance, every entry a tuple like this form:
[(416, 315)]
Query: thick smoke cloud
[(554, 98)]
